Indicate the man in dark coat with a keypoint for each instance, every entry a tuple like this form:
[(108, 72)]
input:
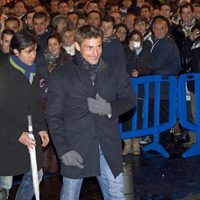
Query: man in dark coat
[(6, 37), (85, 99), (166, 58), (20, 97)]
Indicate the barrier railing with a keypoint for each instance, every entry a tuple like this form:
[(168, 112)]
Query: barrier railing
[(192, 125), (153, 85)]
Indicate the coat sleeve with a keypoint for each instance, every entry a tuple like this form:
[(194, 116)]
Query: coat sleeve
[(40, 109), (126, 99), (55, 115)]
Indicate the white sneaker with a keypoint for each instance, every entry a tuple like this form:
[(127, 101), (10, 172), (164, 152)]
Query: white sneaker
[(146, 140)]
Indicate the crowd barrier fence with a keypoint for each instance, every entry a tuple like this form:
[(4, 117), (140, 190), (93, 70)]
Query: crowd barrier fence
[(177, 93), (153, 84), (183, 115)]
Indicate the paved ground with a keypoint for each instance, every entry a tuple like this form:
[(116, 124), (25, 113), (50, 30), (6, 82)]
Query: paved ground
[(154, 178)]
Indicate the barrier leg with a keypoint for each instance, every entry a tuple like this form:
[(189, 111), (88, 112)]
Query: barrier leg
[(155, 145), (128, 181), (194, 149)]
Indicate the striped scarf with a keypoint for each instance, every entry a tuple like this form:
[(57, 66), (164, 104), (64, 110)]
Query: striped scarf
[(28, 71)]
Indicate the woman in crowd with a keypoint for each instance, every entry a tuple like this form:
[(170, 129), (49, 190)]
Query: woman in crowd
[(139, 62)]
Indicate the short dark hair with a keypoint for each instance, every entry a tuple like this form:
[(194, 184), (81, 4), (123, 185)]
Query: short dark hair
[(12, 18), (136, 33), (94, 11), (21, 40), (87, 32), (7, 31), (161, 17), (39, 15), (196, 5), (145, 6), (186, 5), (108, 18), (56, 36), (29, 12)]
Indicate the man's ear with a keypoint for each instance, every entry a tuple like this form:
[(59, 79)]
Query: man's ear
[(16, 52), (77, 46)]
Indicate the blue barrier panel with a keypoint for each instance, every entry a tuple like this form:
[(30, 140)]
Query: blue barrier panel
[(153, 85), (194, 125)]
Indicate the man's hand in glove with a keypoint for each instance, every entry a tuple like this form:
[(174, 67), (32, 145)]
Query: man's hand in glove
[(99, 106), (72, 158)]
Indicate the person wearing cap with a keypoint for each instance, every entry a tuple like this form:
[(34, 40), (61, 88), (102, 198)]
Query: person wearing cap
[(141, 25)]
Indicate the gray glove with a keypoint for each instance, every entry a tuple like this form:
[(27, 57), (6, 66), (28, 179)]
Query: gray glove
[(99, 106), (72, 158)]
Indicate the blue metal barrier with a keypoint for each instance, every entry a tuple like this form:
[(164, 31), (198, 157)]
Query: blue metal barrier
[(155, 130), (194, 125)]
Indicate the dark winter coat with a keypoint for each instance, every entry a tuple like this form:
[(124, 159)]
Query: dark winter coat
[(184, 44), (166, 58), (195, 62), (143, 62), (71, 124), (113, 51), (17, 100)]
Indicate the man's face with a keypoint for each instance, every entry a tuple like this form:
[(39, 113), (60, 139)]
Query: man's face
[(186, 15), (197, 13), (74, 18), (40, 25), (90, 49), (29, 19), (117, 17), (5, 43), (68, 39), (54, 6), (145, 12), (129, 21), (160, 29), (165, 11), (19, 9), (13, 25), (92, 6), (127, 3), (107, 28), (141, 27), (27, 55), (63, 8), (94, 19)]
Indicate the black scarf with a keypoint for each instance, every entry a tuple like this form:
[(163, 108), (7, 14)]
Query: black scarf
[(93, 70)]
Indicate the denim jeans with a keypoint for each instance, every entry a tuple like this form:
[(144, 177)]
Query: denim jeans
[(25, 190), (111, 187)]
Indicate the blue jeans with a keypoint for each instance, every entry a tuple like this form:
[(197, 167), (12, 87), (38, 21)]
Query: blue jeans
[(111, 187), (25, 190)]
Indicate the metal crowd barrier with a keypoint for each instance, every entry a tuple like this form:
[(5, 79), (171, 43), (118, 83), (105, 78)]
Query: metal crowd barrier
[(147, 82), (192, 125)]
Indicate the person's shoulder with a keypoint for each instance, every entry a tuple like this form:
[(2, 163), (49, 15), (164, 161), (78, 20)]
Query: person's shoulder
[(4, 60), (4, 68), (64, 67)]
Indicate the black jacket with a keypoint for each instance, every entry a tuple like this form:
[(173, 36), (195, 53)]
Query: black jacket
[(18, 99), (71, 124)]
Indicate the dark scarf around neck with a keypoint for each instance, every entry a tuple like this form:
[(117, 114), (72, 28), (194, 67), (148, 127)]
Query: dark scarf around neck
[(93, 70), (28, 71)]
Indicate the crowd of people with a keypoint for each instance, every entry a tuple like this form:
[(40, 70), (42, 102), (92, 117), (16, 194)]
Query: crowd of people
[(78, 57)]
